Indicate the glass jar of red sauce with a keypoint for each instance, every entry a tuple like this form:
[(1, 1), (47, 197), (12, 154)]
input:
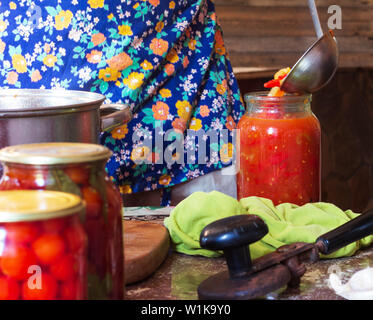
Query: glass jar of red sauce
[(42, 246), (77, 168), (279, 149)]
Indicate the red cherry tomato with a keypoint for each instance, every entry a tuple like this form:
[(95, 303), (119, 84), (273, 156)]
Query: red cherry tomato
[(28, 179), (9, 289), (114, 200), (76, 238), (22, 232), (47, 291), (69, 290), (114, 197), (9, 183), (98, 247), (19, 173), (64, 268), (93, 202), (16, 261), (54, 225), (78, 174), (49, 247)]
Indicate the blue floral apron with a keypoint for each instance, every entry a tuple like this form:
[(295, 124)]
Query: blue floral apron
[(165, 59)]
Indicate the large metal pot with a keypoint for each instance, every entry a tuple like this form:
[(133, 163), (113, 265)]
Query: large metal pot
[(32, 115)]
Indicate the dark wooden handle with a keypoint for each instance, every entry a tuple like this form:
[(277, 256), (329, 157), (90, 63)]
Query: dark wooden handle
[(347, 233)]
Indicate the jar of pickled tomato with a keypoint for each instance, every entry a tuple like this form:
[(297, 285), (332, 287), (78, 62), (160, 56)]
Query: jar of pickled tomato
[(42, 246), (279, 149), (77, 168)]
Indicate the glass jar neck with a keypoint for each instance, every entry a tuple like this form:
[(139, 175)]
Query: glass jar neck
[(259, 103)]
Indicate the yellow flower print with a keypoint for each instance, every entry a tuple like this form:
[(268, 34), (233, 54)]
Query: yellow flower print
[(192, 44), (146, 65), (195, 124), (63, 19), (126, 189), (139, 154), (119, 132), (19, 63), (164, 180), (50, 60), (108, 74), (3, 25), (184, 109), (220, 88), (110, 16), (172, 56), (171, 5), (96, 3), (159, 26), (226, 152), (12, 6), (165, 93), (136, 5), (134, 80), (125, 30)]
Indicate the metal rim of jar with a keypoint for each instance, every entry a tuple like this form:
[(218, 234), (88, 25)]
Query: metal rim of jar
[(33, 154), (74, 205), (288, 99)]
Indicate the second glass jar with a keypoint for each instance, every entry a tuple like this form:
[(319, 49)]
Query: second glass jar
[(79, 169), (279, 149)]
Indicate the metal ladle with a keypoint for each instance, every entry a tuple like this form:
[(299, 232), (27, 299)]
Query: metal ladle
[(318, 64)]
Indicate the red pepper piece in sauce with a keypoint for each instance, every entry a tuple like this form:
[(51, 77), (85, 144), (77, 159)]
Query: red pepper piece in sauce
[(272, 83)]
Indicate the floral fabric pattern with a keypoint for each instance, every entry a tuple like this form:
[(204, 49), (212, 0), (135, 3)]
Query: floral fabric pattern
[(165, 59)]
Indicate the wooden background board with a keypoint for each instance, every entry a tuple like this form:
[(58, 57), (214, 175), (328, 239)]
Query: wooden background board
[(146, 245), (273, 34)]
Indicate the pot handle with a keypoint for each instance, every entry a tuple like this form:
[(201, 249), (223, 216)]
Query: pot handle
[(113, 115)]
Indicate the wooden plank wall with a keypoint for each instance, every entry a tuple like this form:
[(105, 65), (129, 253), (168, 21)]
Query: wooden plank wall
[(273, 34)]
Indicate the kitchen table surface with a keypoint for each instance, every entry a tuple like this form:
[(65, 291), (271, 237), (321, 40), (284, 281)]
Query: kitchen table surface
[(179, 275)]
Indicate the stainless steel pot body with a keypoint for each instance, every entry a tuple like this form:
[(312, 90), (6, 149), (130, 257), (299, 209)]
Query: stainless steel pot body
[(32, 116)]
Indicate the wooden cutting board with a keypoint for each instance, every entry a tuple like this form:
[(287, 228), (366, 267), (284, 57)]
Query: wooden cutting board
[(146, 245)]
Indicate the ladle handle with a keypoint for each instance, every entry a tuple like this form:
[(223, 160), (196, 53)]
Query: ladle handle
[(315, 18), (351, 231)]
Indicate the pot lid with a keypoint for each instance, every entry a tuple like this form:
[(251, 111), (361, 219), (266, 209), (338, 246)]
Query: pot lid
[(34, 205), (17, 102), (53, 153)]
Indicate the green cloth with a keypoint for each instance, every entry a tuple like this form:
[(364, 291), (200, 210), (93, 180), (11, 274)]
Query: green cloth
[(287, 223)]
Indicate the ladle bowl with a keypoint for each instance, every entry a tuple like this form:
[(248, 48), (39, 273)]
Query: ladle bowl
[(315, 68)]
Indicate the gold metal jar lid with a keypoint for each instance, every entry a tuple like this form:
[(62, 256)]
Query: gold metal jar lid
[(35, 205), (53, 153)]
